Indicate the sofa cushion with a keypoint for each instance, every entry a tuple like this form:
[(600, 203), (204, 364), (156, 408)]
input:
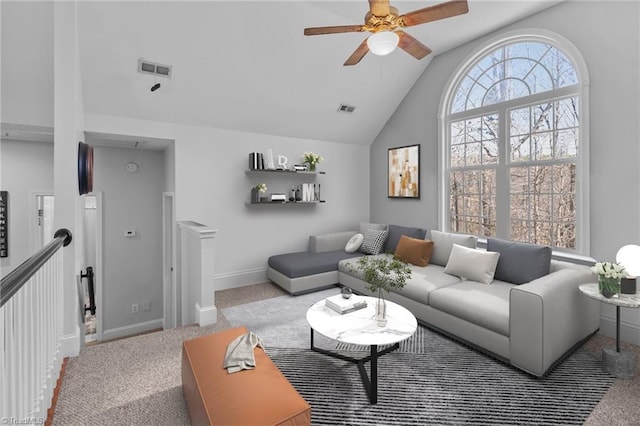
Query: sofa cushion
[(483, 305), (396, 231), (413, 250), (354, 243), (520, 262), (424, 279), (364, 226), (443, 242), (301, 264), (373, 241), (472, 264)]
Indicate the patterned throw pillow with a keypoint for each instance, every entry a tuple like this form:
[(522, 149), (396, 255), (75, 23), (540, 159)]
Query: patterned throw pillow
[(373, 241)]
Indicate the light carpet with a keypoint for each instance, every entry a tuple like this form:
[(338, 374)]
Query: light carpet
[(431, 379)]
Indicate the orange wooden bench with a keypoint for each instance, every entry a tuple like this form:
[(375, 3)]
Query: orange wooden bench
[(262, 396)]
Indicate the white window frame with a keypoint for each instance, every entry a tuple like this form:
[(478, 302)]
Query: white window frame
[(581, 90)]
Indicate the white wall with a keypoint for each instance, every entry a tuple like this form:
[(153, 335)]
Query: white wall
[(607, 35), (27, 63), (26, 168), (132, 267), (212, 188)]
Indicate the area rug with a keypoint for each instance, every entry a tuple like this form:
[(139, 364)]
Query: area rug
[(429, 380)]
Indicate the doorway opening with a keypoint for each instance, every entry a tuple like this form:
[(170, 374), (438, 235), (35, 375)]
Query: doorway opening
[(91, 275)]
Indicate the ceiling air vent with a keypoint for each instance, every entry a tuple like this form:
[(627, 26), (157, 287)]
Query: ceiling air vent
[(148, 67), (346, 108)]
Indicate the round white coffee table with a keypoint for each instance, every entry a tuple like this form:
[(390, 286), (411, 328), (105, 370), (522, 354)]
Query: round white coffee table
[(360, 328), (617, 363)]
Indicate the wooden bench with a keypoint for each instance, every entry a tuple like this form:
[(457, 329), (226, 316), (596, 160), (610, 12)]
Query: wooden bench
[(262, 396)]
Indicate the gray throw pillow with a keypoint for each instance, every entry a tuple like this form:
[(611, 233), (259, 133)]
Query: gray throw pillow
[(373, 241), (520, 263), (395, 232), (444, 241), (366, 225)]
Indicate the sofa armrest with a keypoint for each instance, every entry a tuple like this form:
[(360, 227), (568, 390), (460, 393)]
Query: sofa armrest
[(548, 317), (329, 241)]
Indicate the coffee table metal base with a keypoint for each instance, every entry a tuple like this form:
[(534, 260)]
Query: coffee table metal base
[(370, 382)]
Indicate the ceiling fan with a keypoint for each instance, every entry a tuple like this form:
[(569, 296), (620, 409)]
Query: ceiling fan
[(384, 21)]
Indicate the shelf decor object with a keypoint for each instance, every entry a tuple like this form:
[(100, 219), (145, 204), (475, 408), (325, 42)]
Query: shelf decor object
[(257, 191), (311, 158), (404, 172), (288, 185)]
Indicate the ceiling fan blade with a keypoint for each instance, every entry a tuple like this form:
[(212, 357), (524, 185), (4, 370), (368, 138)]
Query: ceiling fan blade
[(412, 46), (435, 13), (358, 54), (379, 7), (334, 30)]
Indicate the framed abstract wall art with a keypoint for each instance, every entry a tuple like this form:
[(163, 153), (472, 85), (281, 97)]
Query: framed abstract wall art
[(404, 172)]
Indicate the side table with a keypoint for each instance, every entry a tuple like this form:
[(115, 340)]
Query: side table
[(617, 363)]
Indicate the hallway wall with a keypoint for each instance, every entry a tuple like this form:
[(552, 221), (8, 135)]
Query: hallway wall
[(132, 265), (26, 168)]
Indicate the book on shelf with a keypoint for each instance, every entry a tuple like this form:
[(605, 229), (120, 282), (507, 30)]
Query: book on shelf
[(344, 306)]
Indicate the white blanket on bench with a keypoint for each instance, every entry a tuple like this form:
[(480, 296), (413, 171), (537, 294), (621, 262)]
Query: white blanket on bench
[(240, 355)]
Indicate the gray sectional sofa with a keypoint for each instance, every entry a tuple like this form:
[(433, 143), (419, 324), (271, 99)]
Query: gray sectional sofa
[(531, 324)]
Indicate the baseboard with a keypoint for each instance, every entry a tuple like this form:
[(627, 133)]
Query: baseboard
[(71, 344), (629, 332), (240, 278), (141, 327), (206, 316)]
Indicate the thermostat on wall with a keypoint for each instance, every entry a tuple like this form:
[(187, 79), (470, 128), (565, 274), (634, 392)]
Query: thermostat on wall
[(132, 167), (130, 233)]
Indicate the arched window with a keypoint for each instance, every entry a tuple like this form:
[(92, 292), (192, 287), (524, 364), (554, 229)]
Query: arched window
[(515, 146)]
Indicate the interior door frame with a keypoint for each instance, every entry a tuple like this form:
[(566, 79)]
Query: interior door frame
[(34, 237), (98, 270), (169, 286)]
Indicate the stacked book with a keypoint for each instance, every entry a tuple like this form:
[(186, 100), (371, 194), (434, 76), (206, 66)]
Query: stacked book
[(344, 306)]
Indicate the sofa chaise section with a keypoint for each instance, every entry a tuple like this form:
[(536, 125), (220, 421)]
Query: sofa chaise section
[(314, 269)]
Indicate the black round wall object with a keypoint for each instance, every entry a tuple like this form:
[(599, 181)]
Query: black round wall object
[(85, 168)]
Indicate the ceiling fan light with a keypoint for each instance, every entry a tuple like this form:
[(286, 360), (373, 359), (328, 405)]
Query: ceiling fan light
[(383, 42)]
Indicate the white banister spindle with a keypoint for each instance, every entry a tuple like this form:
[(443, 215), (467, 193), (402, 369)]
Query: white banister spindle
[(31, 329)]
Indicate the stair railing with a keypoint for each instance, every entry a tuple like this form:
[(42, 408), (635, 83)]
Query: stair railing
[(31, 326)]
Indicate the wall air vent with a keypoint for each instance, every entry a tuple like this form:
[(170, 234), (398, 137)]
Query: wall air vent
[(346, 108), (148, 67)]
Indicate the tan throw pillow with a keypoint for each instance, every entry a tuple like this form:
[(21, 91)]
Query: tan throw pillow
[(414, 251)]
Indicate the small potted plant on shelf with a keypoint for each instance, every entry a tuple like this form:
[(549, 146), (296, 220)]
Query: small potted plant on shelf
[(382, 273), (609, 276), (311, 158), (260, 188)]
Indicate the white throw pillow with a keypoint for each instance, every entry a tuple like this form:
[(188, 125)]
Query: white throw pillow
[(472, 264), (354, 243)]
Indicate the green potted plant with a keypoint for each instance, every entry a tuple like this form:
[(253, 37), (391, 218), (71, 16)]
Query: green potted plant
[(311, 158), (609, 275), (260, 188), (382, 274)]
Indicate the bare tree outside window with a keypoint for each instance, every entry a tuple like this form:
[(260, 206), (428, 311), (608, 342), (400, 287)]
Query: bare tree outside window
[(522, 156)]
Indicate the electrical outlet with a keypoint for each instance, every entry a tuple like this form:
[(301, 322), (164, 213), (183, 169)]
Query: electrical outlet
[(146, 305), (135, 308)]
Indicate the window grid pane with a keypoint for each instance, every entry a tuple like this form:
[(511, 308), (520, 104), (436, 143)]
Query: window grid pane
[(536, 157)]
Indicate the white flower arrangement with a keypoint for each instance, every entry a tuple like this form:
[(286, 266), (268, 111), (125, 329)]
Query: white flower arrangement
[(609, 270), (261, 187), (311, 158)]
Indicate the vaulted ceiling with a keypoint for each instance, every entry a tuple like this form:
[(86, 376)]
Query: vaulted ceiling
[(246, 65)]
